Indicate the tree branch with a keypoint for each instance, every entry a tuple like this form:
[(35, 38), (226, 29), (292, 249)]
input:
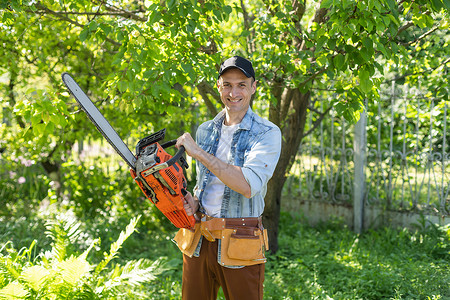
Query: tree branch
[(286, 100), (422, 36), (317, 122), (111, 12), (313, 76), (42, 10), (204, 89), (299, 9), (319, 15), (418, 73), (132, 14), (247, 22), (404, 27)]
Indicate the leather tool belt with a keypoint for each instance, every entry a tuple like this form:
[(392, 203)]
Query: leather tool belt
[(243, 241)]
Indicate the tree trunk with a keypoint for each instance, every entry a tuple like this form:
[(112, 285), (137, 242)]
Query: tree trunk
[(273, 206), (53, 171), (292, 126)]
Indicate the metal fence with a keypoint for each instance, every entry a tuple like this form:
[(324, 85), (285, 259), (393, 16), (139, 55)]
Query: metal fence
[(396, 157)]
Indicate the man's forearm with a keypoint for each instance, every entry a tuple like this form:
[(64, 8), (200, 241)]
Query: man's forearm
[(230, 175)]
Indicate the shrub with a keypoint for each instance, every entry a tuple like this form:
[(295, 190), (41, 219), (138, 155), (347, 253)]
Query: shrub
[(62, 273)]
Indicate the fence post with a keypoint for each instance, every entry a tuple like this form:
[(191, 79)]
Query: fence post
[(359, 181)]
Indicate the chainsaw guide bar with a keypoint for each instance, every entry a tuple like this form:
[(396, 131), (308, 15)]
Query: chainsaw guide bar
[(158, 174), (99, 120)]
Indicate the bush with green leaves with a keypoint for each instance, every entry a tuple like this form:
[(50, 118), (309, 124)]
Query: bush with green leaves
[(63, 273)]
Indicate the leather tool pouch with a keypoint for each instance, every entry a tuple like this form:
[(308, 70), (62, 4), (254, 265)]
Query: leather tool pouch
[(243, 246), (187, 239)]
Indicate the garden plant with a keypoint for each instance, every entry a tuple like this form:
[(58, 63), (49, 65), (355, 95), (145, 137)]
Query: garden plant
[(74, 225)]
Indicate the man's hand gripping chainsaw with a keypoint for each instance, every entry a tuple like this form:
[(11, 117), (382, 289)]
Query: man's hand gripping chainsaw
[(158, 174)]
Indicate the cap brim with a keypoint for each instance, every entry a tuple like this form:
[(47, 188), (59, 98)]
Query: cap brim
[(235, 67)]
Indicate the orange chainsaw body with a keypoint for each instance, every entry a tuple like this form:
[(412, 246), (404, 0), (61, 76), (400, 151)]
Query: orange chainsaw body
[(163, 184)]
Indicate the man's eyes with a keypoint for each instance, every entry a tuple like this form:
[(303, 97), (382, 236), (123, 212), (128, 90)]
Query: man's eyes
[(240, 85)]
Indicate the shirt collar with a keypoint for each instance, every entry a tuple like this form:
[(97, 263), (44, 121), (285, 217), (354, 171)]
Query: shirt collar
[(244, 125)]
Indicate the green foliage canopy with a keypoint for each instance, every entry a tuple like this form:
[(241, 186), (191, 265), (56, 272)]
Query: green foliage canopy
[(148, 63)]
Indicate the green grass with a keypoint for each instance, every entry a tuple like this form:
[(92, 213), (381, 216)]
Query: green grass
[(331, 262), (326, 262)]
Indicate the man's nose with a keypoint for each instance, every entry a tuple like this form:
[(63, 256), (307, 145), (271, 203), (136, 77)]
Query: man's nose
[(234, 92)]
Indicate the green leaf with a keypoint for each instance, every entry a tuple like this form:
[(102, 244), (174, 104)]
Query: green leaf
[(171, 3), (280, 15), (120, 36), (368, 45), (437, 5), (84, 33), (49, 129), (380, 26), (72, 269), (136, 66), (392, 5), (339, 61), (8, 18), (394, 20), (14, 290), (36, 119), (227, 9), (447, 4), (331, 43), (45, 117), (363, 74), (93, 26), (320, 43), (326, 3), (342, 109), (365, 83), (62, 120), (55, 119), (419, 20), (38, 129), (35, 276), (123, 86), (105, 28), (382, 49), (115, 247)]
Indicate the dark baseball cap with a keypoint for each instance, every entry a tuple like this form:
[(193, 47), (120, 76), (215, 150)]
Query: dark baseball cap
[(240, 63)]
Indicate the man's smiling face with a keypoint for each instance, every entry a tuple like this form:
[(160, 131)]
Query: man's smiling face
[(235, 91)]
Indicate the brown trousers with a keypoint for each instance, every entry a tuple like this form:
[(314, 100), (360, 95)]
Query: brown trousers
[(202, 277)]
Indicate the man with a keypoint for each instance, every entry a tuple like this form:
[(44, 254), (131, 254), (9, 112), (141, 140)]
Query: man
[(236, 155)]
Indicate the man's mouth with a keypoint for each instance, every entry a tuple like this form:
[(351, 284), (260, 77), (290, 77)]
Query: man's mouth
[(234, 100)]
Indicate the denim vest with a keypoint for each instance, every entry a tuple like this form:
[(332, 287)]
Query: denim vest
[(255, 147)]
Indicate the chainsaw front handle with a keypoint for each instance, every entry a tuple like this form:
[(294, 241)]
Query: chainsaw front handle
[(176, 157)]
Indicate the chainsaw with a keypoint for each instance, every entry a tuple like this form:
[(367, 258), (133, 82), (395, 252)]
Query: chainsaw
[(158, 174)]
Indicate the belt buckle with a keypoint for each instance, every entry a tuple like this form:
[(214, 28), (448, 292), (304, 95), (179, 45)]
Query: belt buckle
[(205, 231)]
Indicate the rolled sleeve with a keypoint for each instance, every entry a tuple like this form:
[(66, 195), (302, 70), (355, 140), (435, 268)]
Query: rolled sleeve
[(261, 160)]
